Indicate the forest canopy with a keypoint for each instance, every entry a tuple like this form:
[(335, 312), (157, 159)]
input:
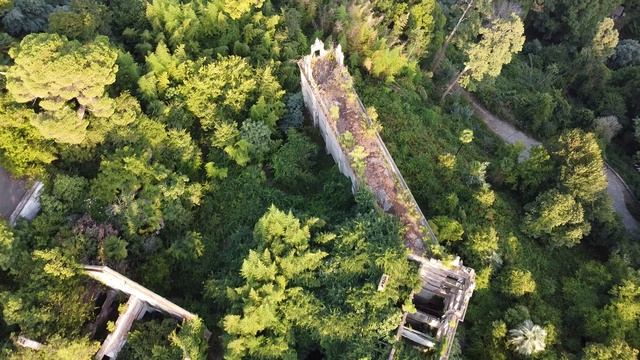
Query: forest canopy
[(174, 146)]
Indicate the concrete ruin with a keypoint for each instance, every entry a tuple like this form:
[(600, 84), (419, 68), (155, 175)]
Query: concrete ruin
[(19, 198), (352, 139), (141, 300)]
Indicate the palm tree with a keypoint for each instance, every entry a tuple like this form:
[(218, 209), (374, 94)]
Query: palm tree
[(527, 338)]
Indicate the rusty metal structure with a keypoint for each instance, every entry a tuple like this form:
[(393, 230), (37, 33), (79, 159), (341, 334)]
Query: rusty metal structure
[(352, 140)]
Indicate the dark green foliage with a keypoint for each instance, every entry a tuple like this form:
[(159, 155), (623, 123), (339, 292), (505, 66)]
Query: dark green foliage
[(293, 117), (292, 162), (83, 20), (627, 54), (27, 16)]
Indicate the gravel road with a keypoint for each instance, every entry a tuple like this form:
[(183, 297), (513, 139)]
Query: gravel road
[(615, 187)]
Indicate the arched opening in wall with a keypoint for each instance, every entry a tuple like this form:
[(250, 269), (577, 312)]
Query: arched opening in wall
[(316, 53)]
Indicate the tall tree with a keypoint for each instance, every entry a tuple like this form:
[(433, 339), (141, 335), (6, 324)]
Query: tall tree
[(581, 165), (57, 73), (557, 217), (272, 302), (500, 40)]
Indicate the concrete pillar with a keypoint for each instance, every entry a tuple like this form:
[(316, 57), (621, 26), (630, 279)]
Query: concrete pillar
[(114, 342)]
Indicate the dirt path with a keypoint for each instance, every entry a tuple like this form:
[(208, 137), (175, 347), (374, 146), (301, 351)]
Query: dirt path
[(616, 188)]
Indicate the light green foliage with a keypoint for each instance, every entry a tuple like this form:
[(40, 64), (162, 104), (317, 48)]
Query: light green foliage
[(605, 40), (164, 70), (23, 151), (358, 156), (518, 282), (617, 350), (190, 339), (83, 20), (500, 41), (227, 137), (226, 88), (482, 243), (581, 165), (621, 315), (142, 192), (447, 161), (466, 136), (347, 141), (556, 217), (174, 21), (447, 229), (387, 62), (6, 246), (62, 126), (236, 8), (54, 70), (270, 302), (60, 349), (48, 300), (527, 339)]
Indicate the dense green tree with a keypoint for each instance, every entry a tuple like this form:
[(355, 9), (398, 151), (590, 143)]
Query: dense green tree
[(54, 71), (225, 89), (23, 150), (60, 349), (627, 53), (6, 245), (270, 302), (605, 40), (499, 42), (574, 21), (618, 349), (191, 339), (518, 282), (83, 20), (27, 16), (557, 217), (143, 193), (293, 161), (150, 339), (581, 165), (446, 229)]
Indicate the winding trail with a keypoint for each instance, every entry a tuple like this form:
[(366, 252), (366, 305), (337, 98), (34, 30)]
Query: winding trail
[(616, 188)]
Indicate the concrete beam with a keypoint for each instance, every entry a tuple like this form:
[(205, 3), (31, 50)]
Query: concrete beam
[(114, 342)]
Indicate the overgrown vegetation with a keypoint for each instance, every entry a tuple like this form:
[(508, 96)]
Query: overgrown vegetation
[(171, 139)]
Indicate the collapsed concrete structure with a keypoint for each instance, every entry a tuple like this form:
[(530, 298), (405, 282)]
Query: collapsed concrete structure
[(352, 139), (19, 198), (141, 300)]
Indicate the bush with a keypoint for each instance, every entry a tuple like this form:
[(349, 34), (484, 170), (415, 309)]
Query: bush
[(517, 282)]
